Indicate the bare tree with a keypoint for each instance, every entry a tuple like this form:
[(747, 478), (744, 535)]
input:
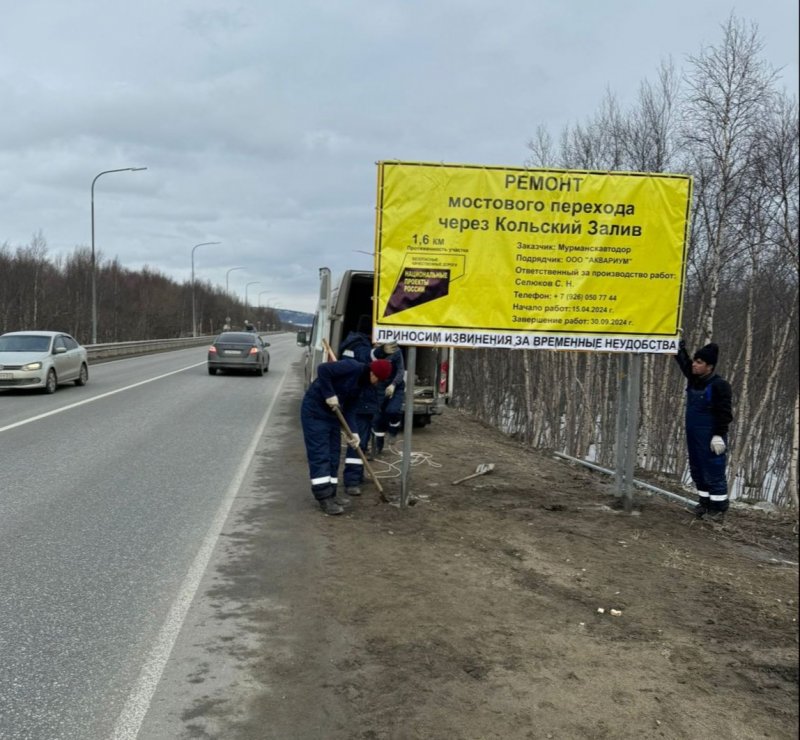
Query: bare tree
[(730, 89), (649, 132), (723, 122)]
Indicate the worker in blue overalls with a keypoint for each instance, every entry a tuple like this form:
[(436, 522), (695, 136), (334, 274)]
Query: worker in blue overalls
[(357, 346), (391, 395), (708, 416), (337, 387)]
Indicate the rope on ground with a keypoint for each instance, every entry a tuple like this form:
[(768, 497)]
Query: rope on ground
[(392, 469)]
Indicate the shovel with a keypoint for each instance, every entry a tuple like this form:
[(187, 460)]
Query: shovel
[(482, 469), (349, 434)]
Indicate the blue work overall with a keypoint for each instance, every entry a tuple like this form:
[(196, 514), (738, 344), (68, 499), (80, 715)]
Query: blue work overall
[(707, 469)]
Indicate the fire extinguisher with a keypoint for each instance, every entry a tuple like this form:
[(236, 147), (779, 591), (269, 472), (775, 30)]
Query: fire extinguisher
[(444, 368)]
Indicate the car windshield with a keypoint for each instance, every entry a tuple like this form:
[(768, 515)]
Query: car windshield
[(236, 337), (24, 343)]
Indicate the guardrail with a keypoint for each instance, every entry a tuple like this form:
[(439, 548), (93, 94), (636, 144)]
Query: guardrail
[(145, 347)]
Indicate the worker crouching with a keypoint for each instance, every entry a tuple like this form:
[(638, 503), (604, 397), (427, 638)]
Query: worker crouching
[(338, 386)]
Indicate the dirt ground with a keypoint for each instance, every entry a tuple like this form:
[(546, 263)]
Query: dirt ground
[(476, 612)]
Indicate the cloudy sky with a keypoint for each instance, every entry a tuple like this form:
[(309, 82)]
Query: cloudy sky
[(260, 122)]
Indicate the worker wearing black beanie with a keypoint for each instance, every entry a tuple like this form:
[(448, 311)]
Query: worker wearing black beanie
[(708, 416), (708, 354)]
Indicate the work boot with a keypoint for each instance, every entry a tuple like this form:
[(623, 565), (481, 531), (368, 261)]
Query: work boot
[(330, 507), (700, 510), (342, 500), (352, 491), (716, 517)]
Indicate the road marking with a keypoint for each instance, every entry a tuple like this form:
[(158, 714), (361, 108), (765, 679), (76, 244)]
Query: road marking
[(137, 705), (96, 398)]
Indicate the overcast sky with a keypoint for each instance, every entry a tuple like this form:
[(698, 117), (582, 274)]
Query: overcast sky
[(261, 122)]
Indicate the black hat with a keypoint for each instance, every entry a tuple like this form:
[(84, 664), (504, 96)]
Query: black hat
[(364, 325), (708, 354)]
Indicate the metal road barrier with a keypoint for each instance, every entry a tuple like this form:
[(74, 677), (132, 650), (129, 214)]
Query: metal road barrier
[(98, 352)]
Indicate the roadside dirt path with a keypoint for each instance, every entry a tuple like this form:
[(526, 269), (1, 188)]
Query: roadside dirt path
[(476, 614)]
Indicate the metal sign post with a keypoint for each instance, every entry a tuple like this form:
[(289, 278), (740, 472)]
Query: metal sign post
[(628, 427), (408, 424)]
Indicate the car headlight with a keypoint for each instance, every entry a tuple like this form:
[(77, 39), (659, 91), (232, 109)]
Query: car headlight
[(32, 366)]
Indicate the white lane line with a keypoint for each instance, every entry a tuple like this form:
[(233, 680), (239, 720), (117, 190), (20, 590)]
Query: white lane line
[(96, 398), (136, 706)]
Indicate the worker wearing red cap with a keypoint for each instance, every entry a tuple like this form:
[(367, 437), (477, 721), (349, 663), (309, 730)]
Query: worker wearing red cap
[(337, 386)]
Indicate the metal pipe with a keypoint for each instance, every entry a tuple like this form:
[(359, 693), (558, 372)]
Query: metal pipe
[(641, 484)]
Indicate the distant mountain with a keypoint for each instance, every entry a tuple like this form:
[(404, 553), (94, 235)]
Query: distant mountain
[(296, 318)]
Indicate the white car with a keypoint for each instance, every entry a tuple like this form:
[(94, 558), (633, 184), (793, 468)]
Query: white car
[(41, 359)]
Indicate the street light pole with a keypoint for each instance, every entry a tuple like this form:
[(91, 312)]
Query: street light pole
[(269, 326), (194, 320), (94, 262), (227, 275), (246, 304), (255, 282)]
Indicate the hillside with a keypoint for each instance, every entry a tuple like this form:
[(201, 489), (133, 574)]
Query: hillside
[(296, 318)]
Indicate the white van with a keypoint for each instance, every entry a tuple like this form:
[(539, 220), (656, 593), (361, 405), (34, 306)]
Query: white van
[(338, 311)]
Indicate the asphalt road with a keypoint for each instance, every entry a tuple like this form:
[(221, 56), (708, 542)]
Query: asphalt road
[(112, 499)]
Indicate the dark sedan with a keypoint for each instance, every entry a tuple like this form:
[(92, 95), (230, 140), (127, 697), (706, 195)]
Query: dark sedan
[(238, 350)]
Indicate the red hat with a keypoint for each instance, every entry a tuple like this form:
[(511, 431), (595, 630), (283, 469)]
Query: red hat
[(381, 369)]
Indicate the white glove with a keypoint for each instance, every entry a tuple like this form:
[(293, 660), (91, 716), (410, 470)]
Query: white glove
[(354, 441), (717, 445), (333, 402), (389, 392)]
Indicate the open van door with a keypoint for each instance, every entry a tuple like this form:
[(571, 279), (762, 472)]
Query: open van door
[(315, 352)]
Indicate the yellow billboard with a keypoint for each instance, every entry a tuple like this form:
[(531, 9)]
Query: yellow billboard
[(475, 256)]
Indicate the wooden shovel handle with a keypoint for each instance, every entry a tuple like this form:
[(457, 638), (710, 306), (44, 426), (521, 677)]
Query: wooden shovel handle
[(361, 454), (328, 350)]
